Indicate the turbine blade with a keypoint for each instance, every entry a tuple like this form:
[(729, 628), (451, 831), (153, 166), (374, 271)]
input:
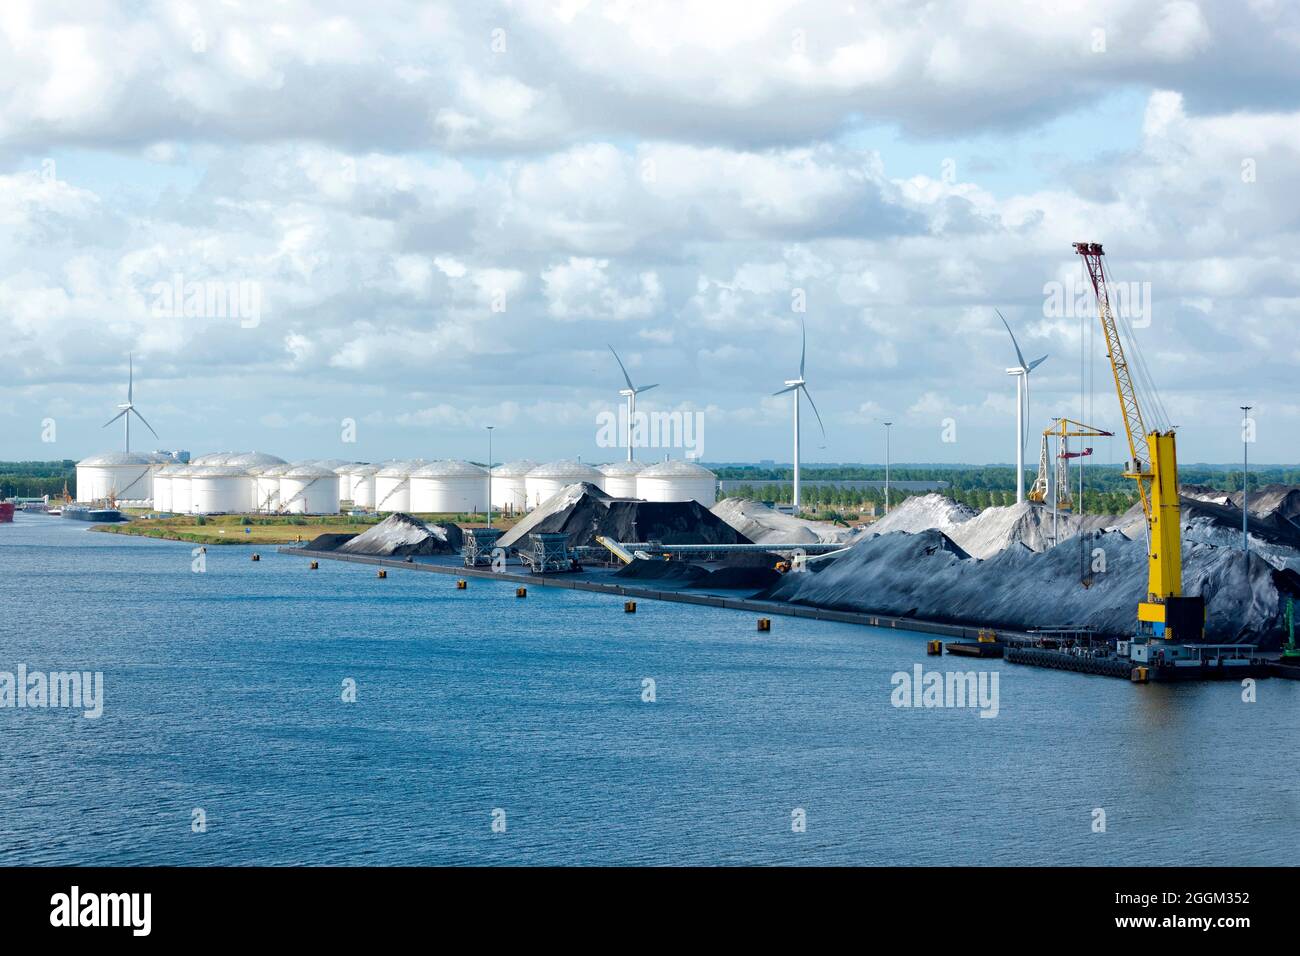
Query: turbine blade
[(808, 395), (627, 378), (803, 347), (646, 388), (1019, 354), (115, 418), (146, 424), (788, 388), (1035, 363)]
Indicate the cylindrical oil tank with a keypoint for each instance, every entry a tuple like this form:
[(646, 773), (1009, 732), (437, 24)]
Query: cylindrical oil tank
[(677, 481), (620, 478), (162, 487), (445, 487), (363, 486), (509, 484), (393, 484), (309, 489), (120, 475), (547, 480), (219, 489), (267, 481), (180, 490)]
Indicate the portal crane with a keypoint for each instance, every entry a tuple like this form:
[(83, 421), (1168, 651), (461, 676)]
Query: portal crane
[(1063, 429), (1166, 614)]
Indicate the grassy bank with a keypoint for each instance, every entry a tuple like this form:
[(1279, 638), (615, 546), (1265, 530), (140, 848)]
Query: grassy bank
[(264, 529)]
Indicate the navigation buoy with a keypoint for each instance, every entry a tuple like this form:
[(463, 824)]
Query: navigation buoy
[(382, 573), (257, 557), (521, 592), (765, 624), (315, 565), (462, 584)]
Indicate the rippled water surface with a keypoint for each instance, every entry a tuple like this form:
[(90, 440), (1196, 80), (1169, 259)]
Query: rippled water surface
[(223, 692)]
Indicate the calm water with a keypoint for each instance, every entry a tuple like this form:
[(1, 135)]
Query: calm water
[(223, 691)]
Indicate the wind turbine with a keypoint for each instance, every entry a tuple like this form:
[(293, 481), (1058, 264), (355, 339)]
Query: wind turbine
[(128, 408), (1021, 372), (798, 385), (631, 392)]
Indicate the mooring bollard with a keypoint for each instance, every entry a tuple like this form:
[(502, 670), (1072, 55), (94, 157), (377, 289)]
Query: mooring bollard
[(462, 584), (382, 573), (629, 607), (521, 592)]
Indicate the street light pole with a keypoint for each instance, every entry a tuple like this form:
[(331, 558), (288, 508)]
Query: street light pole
[(1245, 474), (887, 424), (489, 431)]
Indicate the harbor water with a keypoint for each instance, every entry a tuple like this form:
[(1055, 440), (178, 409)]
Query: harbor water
[(225, 736)]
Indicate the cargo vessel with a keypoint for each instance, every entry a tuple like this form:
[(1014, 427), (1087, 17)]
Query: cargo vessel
[(89, 513)]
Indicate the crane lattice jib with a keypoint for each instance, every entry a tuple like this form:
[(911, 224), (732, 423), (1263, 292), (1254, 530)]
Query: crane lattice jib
[(1134, 426)]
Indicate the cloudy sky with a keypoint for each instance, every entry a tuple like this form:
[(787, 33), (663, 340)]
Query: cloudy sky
[(436, 217)]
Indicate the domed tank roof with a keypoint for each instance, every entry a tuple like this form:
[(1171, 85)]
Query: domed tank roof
[(364, 471), (253, 459), (308, 469), (217, 471), (565, 468), (111, 458), (676, 469), (275, 471), (169, 471), (401, 468), (333, 464), (450, 469), (514, 469), (621, 468)]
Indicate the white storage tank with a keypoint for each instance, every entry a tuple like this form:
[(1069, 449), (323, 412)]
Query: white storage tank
[(677, 481), (347, 480), (219, 489), (547, 480), (444, 487), (309, 489), (121, 475), (267, 483), (363, 486), (180, 489), (620, 478), (509, 487), (393, 484), (162, 486)]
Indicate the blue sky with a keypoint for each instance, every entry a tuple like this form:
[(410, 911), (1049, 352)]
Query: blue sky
[(441, 226)]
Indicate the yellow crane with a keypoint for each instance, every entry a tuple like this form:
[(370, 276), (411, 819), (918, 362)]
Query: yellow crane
[(1153, 463), (1063, 429)]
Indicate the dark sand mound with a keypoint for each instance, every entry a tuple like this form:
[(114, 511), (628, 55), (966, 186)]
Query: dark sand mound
[(748, 572), (330, 541), (925, 575), (583, 511), (400, 534)]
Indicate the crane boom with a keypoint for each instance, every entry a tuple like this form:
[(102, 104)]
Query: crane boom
[(1153, 465)]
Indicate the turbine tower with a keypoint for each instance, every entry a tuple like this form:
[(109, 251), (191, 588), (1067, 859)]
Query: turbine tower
[(798, 385), (631, 393), (1021, 372), (128, 408)]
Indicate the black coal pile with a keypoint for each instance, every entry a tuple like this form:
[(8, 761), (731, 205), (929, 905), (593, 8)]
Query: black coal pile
[(329, 541), (754, 571), (583, 511), (677, 573), (399, 535), (927, 576)]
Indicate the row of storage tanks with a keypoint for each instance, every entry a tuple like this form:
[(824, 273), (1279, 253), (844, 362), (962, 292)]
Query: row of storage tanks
[(239, 482)]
